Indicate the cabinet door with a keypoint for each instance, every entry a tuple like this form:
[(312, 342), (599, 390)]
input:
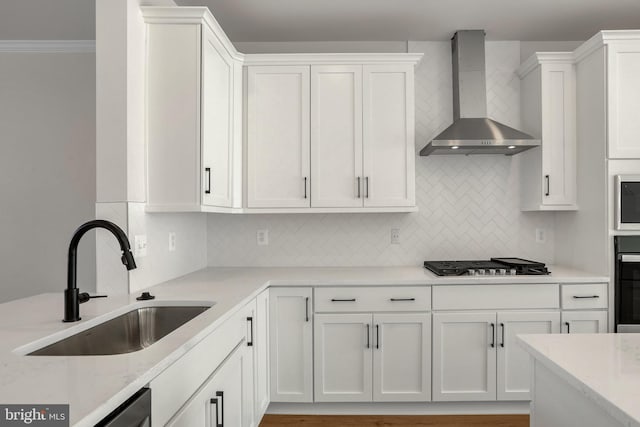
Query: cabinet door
[(336, 136), (261, 351), (221, 396), (558, 134), (217, 122), (248, 365), (402, 357), (514, 363), (342, 359), (584, 322), (290, 349), (388, 135), (278, 137), (623, 101), (464, 356)]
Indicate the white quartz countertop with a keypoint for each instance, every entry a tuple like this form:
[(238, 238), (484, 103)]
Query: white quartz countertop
[(95, 385), (603, 367)]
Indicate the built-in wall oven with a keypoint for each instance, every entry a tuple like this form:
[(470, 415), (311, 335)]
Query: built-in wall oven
[(627, 192), (627, 283)]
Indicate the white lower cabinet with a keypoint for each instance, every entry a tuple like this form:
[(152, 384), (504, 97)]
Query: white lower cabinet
[(220, 400), (291, 344), (584, 322), (514, 364), (464, 357), (261, 352), (402, 357), (476, 357), (372, 357)]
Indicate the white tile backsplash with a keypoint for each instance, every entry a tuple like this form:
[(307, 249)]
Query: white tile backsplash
[(468, 205)]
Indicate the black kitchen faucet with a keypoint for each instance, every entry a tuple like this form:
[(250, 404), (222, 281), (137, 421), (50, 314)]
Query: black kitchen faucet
[(72, 296)]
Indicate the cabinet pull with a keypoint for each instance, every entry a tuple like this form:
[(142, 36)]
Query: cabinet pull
[(305, 187), (368, 331), (366, 187), (586, 296), (343, 300), (568, 327), (493, 335), (208, 172), (306, 309), (250, 342), (214, 419), (358, 187), (220, 395), (502, 328), (377, 336), (401, 299), (547, 185)]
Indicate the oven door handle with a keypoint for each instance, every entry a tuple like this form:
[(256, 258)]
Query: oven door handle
[(629, 258)]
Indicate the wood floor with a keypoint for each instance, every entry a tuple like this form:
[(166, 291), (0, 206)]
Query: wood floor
[(396, 420)]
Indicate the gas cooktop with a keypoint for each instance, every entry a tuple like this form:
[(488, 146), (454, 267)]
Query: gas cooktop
[(493, 267)]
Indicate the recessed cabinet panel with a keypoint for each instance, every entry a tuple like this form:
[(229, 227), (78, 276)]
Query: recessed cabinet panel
[(217, 108), (342, 362), (464, 357), (514, 363), (278, 137), (388, 135), (336, 136), (402, 357), (584, 322), (548, 105), (624, 99), (291, 344)]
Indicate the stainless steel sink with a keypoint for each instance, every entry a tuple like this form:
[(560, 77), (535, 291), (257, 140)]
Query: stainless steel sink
[(126, 333)]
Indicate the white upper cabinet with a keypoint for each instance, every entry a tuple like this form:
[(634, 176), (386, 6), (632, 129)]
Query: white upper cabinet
[(330, 133), (278, 169), (623, 85), (336, 136), (548, 172), (388, 135), (194, 84)]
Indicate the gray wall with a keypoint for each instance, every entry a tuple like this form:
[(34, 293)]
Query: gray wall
[(47, 169)]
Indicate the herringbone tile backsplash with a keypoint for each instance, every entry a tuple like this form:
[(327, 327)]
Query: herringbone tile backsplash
[(468, 205)]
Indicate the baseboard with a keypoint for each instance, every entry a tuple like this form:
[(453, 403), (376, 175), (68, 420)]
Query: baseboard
[(417, 408)]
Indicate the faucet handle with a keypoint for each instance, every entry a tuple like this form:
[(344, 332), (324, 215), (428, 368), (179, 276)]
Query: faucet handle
[(84, 297)]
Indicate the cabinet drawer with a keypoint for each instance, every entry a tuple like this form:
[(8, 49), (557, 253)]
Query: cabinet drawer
[(584, 296), (366, 299), (173, 387), (495, 297)]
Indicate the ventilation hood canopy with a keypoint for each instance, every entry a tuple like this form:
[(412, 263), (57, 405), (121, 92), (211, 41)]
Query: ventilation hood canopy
[(472, 132)]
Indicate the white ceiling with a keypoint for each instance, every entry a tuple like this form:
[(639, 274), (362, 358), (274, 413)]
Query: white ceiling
[(349, 20), (335, 20)]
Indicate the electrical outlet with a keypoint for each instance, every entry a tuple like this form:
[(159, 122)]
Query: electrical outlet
[(395, 236), (172, 241), (262, 237), (540, 235), (140, 245)]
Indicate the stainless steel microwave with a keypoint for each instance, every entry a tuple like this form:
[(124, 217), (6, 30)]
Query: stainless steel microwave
[(627, 191)]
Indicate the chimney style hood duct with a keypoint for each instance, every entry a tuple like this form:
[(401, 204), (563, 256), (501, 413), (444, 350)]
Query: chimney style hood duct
[(472, 132)]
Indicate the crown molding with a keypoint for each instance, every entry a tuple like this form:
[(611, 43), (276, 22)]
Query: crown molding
[(539, 58), (47, 46), (603, 38), (190, 15)]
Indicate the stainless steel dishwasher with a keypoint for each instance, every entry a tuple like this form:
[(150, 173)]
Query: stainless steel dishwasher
[(135, 412)]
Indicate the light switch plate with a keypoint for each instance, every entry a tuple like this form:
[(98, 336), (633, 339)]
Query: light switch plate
[(140, 245)]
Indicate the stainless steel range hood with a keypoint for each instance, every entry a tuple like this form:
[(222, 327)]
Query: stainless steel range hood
[(472, 132)]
